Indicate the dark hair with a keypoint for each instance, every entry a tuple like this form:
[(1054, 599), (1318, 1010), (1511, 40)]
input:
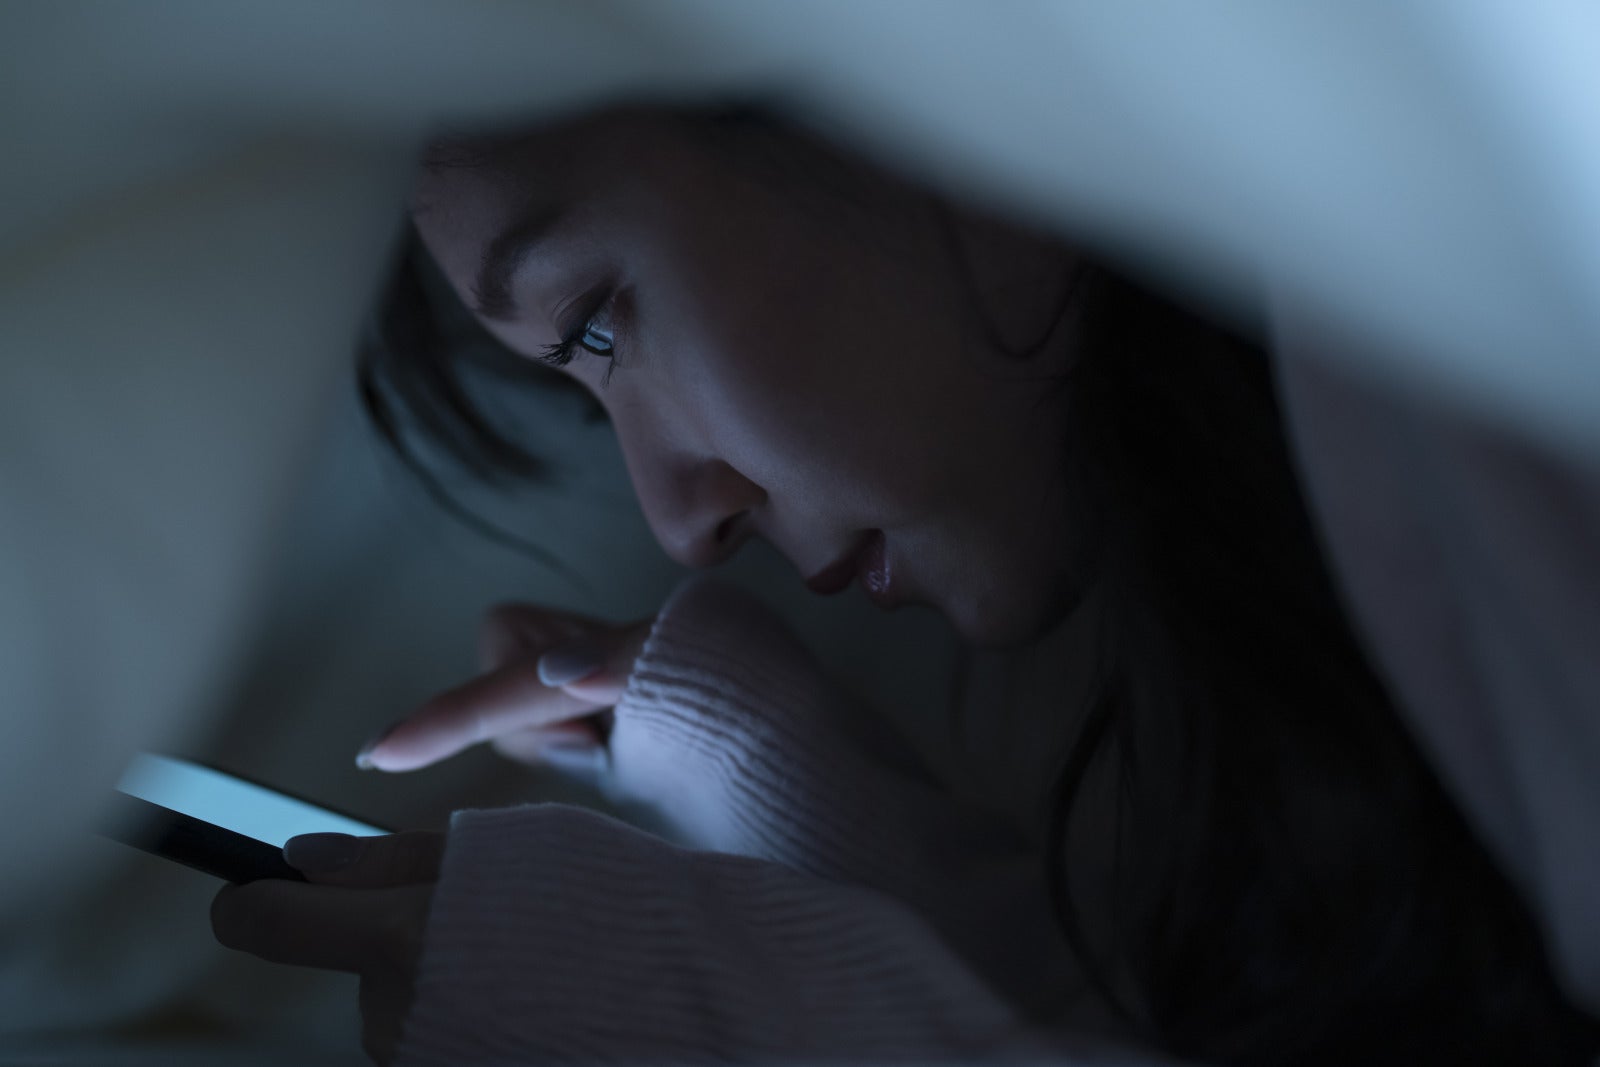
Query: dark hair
[(1294, 886), (1298, 887)]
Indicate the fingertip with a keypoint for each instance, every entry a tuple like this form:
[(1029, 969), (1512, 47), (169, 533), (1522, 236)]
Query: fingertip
[(571, 662), (373, 761), (320, 854), (400, 748), (366, 755), (355, 862), (403, 749), (387, 762)]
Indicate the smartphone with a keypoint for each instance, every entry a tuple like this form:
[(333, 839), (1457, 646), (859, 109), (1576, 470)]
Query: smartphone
[(215, 822)]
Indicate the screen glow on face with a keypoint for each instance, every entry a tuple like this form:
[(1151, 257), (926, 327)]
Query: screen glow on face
[(229, 802)]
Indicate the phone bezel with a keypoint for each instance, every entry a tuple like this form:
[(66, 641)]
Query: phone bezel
[(198, 844)]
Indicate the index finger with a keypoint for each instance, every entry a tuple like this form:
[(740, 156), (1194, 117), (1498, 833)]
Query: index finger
[(500, 702)]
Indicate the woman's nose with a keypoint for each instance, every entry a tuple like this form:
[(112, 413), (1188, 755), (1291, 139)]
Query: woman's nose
[(700, 514)]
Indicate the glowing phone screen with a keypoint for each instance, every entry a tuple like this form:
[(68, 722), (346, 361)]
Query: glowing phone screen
[(229, 802)]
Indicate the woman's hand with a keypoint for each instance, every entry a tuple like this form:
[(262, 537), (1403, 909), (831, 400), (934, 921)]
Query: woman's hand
[(363, 911), (742, 745), (547, 676)]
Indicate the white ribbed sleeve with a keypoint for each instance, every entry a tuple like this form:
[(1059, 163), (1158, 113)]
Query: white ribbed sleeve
[(732, 732), (562, 936), (821, 898)]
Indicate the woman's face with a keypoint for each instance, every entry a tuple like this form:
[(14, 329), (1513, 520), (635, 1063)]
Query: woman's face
[(779, 358)]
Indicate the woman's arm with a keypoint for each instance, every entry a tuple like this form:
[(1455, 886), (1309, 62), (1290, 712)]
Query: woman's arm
[(560, 935), (819, 901), (736, 736), (726, 735)]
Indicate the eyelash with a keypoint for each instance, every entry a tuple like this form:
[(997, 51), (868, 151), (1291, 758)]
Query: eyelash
[(568, 348)]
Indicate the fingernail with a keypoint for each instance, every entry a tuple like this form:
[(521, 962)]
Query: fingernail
[(364, 755), (588, 761), (320, 853), (570, 662)]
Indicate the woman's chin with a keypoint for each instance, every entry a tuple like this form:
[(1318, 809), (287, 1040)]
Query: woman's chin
[(999, 623), (992, 629)]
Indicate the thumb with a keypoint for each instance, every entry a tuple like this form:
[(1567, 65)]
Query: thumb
[(367, 862), (596, 667)]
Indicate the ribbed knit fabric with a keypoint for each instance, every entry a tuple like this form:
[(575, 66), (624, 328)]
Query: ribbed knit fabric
[(819, 902), (562, 936), (731, 730)]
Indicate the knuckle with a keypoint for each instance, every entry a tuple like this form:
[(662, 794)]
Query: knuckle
[(519, 745), (380, 864), (386, 859)]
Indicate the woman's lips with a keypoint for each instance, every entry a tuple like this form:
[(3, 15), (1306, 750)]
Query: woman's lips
[(840, 573), (874, 572), (868, 563)]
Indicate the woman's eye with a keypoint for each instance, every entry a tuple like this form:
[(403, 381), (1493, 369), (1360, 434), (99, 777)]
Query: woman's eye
[(596, 336)]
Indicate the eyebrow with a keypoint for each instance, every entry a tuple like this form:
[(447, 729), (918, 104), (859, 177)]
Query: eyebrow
[(491, 289)]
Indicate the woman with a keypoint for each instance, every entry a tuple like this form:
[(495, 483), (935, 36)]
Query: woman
[(969, 416)]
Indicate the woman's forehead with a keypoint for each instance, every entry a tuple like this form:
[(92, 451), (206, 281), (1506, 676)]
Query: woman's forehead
[(460, 202), (486, 182), (549, 151)]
